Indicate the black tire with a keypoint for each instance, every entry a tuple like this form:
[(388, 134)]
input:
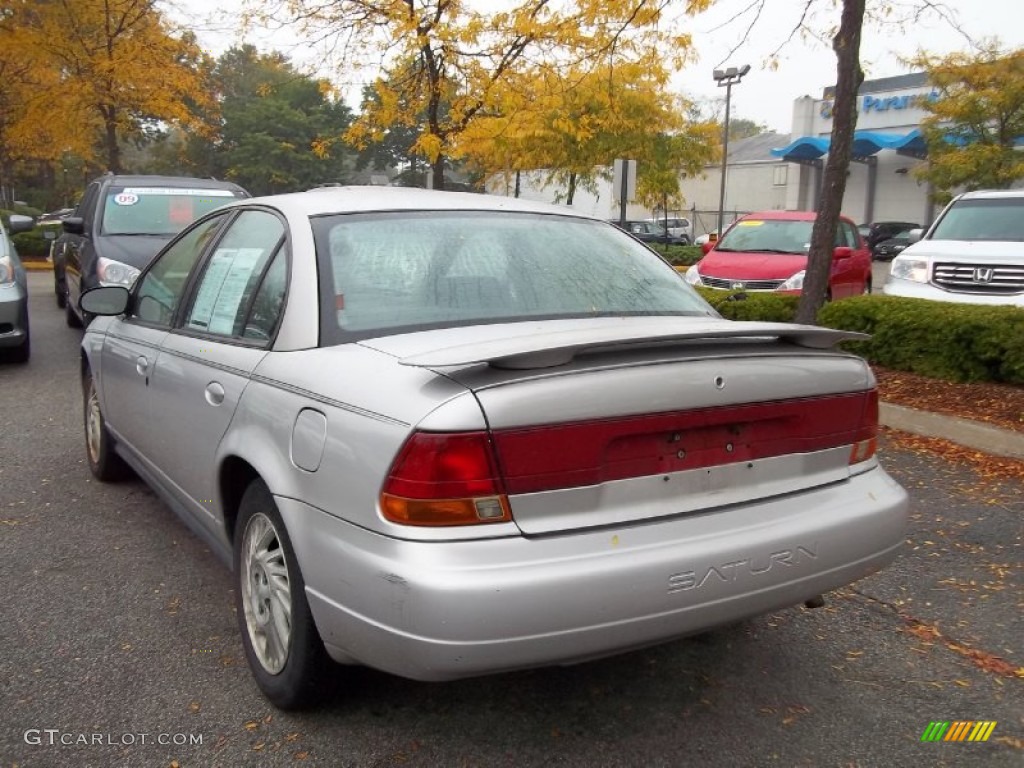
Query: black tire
[(60, 292), (299, 674), (70, 317), (104, 463)]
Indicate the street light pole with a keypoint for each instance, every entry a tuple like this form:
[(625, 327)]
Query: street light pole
[(727, 78)]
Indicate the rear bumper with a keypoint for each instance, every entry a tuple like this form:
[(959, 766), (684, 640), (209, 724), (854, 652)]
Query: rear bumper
[(445, 610), (13, 315)]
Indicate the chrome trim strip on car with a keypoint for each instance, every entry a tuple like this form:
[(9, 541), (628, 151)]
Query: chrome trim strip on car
[(327, 400), (134, 340), (691, 491)]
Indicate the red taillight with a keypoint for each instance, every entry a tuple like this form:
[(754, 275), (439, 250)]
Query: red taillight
[(445, 479)]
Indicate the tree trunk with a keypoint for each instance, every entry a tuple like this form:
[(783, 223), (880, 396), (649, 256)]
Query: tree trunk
[(437, 172), (849, 76), (572, 188), (110, 140)]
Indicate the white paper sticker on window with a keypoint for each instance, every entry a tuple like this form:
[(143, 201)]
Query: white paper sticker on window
[(178, 191), (222, 289)]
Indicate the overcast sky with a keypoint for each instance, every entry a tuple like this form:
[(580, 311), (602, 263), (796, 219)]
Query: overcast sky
[(804, 66)]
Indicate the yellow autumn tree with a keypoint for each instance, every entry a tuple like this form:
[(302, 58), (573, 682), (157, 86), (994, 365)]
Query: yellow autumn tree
[(573, 123), (445, 61), (103, 71), (977, 121)]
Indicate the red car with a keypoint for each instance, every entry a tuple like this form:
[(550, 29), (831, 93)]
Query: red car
[(767, 251)]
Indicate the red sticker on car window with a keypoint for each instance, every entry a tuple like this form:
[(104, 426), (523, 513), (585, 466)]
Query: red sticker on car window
[(180, 210)]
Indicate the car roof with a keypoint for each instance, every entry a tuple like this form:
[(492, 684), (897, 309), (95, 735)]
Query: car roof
[(328, 200)]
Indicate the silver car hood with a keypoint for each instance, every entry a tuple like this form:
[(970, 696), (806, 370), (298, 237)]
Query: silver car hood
[(546, 344)]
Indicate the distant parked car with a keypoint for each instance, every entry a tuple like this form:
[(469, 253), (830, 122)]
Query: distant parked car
[(676, 225), (445, 435), (887, 250), (653, 232), (121, 224), (883, 230), (972, 254), (767, 251), (15, 339), (707, 237)]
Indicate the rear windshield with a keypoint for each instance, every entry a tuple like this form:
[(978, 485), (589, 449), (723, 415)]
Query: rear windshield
[(394, 272), (988, 219), (160, 211)]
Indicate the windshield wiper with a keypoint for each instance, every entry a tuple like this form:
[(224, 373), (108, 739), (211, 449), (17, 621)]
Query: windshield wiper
[(773, 250)]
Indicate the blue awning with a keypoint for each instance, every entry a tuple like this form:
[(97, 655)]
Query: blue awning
[(865, 144)]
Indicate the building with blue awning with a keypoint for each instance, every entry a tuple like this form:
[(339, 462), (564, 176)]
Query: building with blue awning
[(784, 171), (887, 147)]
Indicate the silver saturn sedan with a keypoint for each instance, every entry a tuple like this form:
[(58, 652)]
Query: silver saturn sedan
[(447, 435)]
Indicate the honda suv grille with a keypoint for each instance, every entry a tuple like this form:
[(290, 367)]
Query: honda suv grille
[(992, 279)]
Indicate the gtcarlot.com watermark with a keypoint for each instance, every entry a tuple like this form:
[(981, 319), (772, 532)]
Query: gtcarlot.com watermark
[(55, 737)]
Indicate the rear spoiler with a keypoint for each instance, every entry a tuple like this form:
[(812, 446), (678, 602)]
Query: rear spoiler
[(550, 349)]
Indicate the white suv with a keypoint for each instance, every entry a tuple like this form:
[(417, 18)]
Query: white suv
[(973, 253)]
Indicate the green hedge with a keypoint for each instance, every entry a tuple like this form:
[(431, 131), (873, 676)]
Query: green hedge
[(679, 255), (32, 243), (770, 307), (955, 342)]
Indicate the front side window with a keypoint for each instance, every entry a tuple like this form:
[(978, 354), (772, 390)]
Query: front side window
[(983, 219), (234, 273), (163, 285), (381, 272), (158, 211)]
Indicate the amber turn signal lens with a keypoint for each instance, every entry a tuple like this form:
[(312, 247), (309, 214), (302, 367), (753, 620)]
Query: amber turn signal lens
[(863, 450), (491, 509)]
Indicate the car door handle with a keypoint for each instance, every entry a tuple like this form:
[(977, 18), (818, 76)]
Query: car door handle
[(142, 365), (214, 393)]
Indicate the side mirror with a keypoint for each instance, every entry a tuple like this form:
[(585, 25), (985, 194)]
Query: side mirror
[(705, 247), (18, 223), (915, 234), (842, 252), (107, 300), (73, 225)]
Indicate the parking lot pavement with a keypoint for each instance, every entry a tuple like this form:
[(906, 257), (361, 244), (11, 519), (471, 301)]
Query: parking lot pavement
[(118, 634)]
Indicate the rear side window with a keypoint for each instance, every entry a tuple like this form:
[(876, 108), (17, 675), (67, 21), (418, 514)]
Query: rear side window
[(385, 272), (157, 210), (982, 219), (234, 274)]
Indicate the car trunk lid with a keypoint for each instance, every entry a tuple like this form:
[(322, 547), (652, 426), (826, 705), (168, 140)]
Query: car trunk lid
[(608, 423)]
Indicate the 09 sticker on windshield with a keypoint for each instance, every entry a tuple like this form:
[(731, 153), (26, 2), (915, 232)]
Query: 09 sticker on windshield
[(126, 198)]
